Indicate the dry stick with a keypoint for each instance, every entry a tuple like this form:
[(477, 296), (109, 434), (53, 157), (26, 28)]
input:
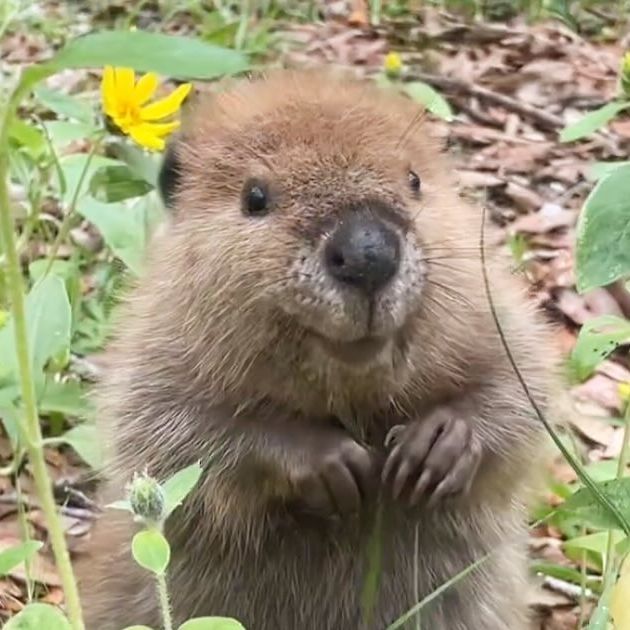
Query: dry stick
[(601, 498), (29, 425), (544, 119)]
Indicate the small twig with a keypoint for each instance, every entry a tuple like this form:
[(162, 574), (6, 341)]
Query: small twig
[(12, 498), (544, 119), (573, 591)]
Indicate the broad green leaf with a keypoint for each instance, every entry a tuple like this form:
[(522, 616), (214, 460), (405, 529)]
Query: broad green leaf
[(85, 440), (597, 542), (72, 167), (424, 94), (117, 183), (212, 623), (65, 105), (583, 506), (151, 550), (48, 320), (28, 136), (122, 227), (169, 55), (592, 121), (66, 397), (596, 340), (601, 615), (38, 617), (598, 170), (63, 132), (144, 165), (11, 558), (179, 486), (603, 232), (62, 268)]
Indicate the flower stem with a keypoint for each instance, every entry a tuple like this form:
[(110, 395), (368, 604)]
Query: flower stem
[(29, 425), (66, 223), (165, 606), (610, 567)]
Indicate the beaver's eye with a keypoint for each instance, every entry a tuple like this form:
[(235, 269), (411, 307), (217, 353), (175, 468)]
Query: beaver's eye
[(414, 182), (255, 198)]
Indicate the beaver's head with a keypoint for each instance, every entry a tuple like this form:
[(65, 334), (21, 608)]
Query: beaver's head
[(309, 202)]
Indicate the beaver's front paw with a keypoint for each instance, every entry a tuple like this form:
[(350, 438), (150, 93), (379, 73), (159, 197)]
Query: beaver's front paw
[(336, 476), (436, 456)]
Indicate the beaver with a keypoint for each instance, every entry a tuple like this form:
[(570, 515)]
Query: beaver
[(312, 326)]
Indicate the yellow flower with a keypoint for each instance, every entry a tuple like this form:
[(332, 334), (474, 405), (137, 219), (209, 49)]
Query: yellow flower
[(125, 102), (393, 64), (624, 391)]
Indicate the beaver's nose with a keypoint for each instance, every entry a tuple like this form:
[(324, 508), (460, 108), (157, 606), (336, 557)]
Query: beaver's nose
[(363, 252)]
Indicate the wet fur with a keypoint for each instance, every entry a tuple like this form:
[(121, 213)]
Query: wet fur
[(207, 366)]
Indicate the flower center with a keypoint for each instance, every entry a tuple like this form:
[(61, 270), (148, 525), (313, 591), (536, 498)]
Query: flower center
[(127, 114)]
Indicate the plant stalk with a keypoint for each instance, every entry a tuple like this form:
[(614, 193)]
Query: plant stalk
[(165, 606), (610, 567), (64, 228), (30, 427)]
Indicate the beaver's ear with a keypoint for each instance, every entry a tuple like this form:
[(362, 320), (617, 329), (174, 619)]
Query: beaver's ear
[(169, 177)]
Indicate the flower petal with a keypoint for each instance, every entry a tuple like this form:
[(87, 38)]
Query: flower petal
[(145, 88), (108, 91), (167, 105), (144, 136), (125, 78), (163, 129)]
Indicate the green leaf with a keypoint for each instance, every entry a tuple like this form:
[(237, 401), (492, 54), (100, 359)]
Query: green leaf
[(122, 227), (583, 506), (66, 397), (48, 320), (603, 232), (65, 105), (85, 440), (598, 170), (601, 615), (10, 558), (142, 164), (72, 167), (567, 574), (63, 132), (212, 623), (28, 136), (151, 550), (38, 617), (179, 486), (169, 55), (596, 340), (424, 94), (9, 414), (592, 121), (117, 183)]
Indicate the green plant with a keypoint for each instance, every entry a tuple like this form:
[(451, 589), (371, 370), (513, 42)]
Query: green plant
[(118, 196), (152, 503)]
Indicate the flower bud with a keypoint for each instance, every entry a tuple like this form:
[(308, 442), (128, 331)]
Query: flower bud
[(147, 498)]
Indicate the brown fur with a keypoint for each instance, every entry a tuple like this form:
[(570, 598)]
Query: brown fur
[(212, 362)]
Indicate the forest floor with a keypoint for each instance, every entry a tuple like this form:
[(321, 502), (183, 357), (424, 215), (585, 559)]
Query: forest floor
[(512, 86)]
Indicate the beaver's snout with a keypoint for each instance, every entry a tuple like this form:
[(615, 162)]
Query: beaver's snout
[(362, 252)]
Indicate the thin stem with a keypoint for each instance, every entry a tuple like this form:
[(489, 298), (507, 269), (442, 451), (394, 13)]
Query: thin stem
[(610, 566), (165, 606), (64, 228), (29, 425)]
